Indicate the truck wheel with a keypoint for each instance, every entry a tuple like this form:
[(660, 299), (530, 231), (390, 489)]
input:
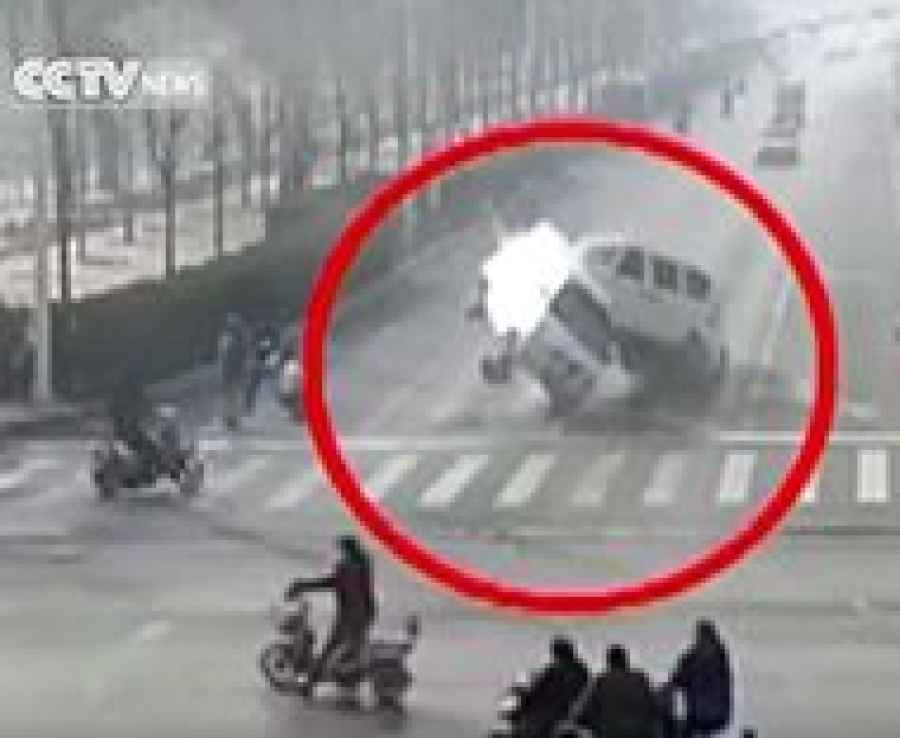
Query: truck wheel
[(721, 369), (696, 360)]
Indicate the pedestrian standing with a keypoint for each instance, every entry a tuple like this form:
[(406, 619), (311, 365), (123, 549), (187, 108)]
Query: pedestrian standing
[(262, 348), (233, 365)]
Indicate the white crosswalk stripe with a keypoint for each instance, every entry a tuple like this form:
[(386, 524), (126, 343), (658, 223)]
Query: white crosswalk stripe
[(667, 475), (294, 491), (453, 481), (222, 485), (273, 483), (873, 476), (592, 490), (525, 483), (76, 486), (391, 473), (734, 481), (17, 476), (811, 490)]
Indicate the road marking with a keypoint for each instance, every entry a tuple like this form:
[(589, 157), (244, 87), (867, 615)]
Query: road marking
[(443, 491), (811, 490), (525, 482), (551, 440), (667, 474), (591, 492), (855, 409), (390, 474), (872, 476), (770, 340), (231, 482), (734, 482), (58, 492), (153, 630), (16, 477), (793, 438), (294, 491)]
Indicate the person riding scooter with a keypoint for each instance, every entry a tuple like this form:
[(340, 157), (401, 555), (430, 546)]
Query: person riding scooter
[(553, 693), (351, 581), (129, 411)]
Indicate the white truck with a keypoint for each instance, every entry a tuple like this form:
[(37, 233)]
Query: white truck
[(564, 311)]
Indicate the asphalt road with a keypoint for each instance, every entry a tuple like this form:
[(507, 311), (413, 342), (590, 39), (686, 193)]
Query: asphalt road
[(143, 616)]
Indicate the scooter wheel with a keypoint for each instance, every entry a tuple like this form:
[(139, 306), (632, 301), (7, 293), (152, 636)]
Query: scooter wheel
[(276, 664)]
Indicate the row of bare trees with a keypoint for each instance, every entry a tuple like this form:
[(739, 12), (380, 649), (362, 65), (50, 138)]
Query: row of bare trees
[(345, 76)]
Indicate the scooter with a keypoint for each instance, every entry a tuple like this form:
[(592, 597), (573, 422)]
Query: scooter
[(115, 467), (508, 706), (286, 661)]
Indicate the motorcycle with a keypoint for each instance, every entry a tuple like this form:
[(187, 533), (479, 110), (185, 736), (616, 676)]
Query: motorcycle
[(286, 661), (114, 466)]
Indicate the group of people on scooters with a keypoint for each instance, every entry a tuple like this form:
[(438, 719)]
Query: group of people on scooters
[(621, 702)]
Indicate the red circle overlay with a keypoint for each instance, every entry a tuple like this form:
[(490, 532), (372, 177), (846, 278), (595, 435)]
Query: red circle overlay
[(476, 585)]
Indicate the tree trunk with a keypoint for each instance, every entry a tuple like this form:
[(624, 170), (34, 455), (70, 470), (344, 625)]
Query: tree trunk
[(343, 143), (265, 152), (374, 132), (218, 142), (82, 184), (286, 138), (245, 123), (63, 171), (301, 140), (107, 135), (168, 182), (128, 195)]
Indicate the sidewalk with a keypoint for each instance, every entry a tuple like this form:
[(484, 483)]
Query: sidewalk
[(20, 418)]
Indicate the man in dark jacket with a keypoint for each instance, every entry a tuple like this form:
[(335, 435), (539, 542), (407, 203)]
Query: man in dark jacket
[(620, 703), (351, 581), (233, 360), (265, 342), (703, 674), (553, 692)]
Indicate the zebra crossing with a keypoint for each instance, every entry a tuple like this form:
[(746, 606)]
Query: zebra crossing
[(499, 481)]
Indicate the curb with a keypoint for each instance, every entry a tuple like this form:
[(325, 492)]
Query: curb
[(55, 423)]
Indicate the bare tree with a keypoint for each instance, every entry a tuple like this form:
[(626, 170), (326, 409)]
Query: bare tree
[(163, 147), (81, 171), (244, 109), (218, 150), (127, 193), (266, 131)]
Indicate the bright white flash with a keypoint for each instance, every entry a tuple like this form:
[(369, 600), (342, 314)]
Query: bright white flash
[(523, 275)]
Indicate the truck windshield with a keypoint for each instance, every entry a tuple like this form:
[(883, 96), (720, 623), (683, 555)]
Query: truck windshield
[(582, 316)]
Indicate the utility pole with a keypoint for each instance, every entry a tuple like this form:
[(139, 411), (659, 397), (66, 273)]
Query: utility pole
[(42, 392), (58, 119)]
